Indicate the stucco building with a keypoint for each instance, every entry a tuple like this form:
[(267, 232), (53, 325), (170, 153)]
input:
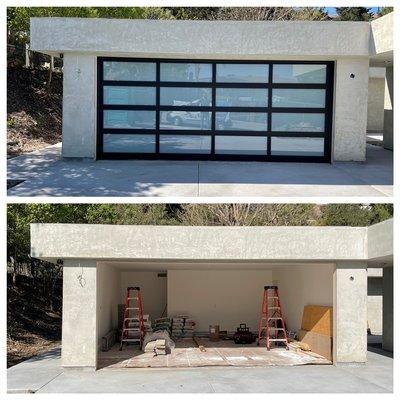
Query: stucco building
[(198, 269), (237, 90)]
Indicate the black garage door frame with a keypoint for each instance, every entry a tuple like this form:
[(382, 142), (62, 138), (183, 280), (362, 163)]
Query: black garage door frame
[(327, 110)]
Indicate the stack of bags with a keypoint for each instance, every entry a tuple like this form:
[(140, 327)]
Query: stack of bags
[(183, 326), (161, 324)]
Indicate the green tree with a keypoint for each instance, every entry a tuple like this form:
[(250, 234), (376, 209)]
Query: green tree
[(384, 10), (355, 214), (354, 13)]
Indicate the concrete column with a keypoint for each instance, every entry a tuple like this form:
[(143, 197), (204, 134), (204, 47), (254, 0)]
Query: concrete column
[(79, 106), (350, 312), (387, 339), (79, 319), (388, 114), (350, 109)]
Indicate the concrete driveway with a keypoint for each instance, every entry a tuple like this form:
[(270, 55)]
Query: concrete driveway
[(43, 374), (44, 174)]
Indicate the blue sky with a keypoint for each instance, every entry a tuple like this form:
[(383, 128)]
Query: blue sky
[(332, 11)]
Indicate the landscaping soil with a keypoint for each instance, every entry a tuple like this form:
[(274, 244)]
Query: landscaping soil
[(34, 109), (33, 318)]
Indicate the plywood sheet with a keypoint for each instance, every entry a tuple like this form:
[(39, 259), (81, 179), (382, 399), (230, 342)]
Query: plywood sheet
[(320, 344), (318, 319)]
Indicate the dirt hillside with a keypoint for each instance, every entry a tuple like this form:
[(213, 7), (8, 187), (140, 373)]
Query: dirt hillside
[(33, 326), (34, 112)]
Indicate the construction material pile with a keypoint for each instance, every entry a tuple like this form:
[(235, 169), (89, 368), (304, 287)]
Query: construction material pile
[(183, 326), (161, 324), (158, 342)]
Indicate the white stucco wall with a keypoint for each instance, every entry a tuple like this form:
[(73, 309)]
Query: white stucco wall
[(79, 106), (350, 110), (153, 290), (350, 313), (225, 298), (376, 97), (79, 317), (302, 286)]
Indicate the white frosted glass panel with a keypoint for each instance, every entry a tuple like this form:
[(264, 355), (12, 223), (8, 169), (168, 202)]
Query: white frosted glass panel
[(194, 120), (178, 96), (124, 119), (299, 73), (185, 72), (298, 122), (241, 97), (197, 144), (250, 145), (300, 98), (130, 95), (289, 146), (254, 73), (126, 143), (241, 121), (129, 71)]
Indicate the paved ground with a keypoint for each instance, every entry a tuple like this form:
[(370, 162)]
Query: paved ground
[(44, 174), (43, 375)]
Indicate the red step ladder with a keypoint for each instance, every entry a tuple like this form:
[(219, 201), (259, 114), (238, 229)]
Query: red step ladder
[(133, 324), (271, 313)]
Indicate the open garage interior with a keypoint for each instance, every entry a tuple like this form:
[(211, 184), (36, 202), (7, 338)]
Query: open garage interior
[(199, 284), (213, 294)]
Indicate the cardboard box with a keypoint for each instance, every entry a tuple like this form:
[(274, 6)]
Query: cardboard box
[(320, 344)]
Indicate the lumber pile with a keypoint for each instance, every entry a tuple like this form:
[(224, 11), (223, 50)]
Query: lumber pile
[(183, 326)]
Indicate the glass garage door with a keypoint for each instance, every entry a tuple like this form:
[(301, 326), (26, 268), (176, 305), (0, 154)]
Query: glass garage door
[(216, 110)]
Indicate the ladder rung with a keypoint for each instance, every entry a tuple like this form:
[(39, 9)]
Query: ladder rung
[(273, 297), (130, 340), (271, 308), (132, 319), (132, 329), (277, 340), (132, 308), (275, 318), (133, 298), (276, 329)]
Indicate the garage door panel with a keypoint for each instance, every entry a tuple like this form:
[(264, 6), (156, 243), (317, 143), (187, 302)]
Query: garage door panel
[(244, 110)]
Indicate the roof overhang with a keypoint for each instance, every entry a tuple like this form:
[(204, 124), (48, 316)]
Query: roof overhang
[(315, 40), (122, 243), (201, 39)]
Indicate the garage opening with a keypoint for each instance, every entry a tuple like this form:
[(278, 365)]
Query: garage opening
[(214, 109), (214, 303)]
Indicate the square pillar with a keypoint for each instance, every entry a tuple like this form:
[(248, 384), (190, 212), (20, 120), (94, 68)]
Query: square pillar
[(350, 109), (79, 106), (350, 283), (387, 332), (79, 317), (388, 113)]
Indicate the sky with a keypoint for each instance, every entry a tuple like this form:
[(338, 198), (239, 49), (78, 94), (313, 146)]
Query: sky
[(332, 10)]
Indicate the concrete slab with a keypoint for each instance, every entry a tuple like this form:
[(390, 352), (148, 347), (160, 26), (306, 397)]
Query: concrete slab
[(31, 375), (45, 174), (45, 376)]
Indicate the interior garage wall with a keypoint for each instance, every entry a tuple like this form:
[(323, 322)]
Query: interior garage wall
[(218, 297), (376, 101), (107, 298), (153, 290), (303, 285)]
